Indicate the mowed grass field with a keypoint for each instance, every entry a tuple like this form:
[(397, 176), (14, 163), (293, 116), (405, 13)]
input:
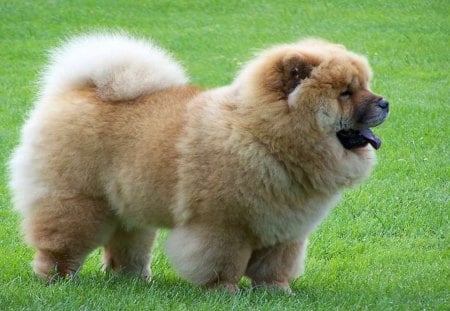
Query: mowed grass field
[(384, 247)]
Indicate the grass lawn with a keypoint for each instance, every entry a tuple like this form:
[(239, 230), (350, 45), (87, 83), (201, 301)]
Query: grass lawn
[(385, 246)]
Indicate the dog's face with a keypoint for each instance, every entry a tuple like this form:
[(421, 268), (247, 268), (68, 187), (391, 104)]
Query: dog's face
[(336, 91), (323, 87)]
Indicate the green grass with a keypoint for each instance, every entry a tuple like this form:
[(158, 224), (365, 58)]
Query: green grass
[(385, 246)]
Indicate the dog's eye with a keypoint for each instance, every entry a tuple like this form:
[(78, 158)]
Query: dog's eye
[(347, 93)]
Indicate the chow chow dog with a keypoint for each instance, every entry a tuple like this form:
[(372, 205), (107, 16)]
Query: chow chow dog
[(119, 144)]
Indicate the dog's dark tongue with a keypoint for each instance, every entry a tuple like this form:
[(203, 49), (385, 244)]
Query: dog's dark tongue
[(371, 138), (351, 139)]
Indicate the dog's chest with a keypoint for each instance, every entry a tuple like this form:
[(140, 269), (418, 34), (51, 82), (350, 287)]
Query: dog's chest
[(277, 224)]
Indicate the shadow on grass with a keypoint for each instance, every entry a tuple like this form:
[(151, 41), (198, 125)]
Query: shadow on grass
[(99, 290)]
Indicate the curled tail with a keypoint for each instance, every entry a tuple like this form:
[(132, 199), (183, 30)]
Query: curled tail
[(119, 66)]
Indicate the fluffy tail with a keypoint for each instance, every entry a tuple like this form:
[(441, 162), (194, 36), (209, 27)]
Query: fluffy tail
[(119, 66)]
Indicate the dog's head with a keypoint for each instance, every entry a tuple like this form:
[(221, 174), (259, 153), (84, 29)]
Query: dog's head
[(323, 87)]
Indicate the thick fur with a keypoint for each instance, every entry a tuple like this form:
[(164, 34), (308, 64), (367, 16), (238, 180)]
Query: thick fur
[(119, 143), (120, 67)]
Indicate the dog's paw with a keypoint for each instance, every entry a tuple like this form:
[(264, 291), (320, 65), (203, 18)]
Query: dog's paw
[(274, 286)]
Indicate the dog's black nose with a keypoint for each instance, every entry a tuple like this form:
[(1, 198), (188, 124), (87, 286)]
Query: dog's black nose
[(384, 104)]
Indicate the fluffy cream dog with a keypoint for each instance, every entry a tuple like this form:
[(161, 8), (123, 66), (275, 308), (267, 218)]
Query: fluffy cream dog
[(119, 144)]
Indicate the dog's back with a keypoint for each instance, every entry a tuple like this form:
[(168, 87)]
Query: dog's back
[(98, 68)]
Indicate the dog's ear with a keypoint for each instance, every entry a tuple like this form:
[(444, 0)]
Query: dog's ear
[(276, 74), (293, 68)]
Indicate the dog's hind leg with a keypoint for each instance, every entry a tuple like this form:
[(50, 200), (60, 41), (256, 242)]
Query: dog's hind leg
[(128, 251), (65, 229)]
